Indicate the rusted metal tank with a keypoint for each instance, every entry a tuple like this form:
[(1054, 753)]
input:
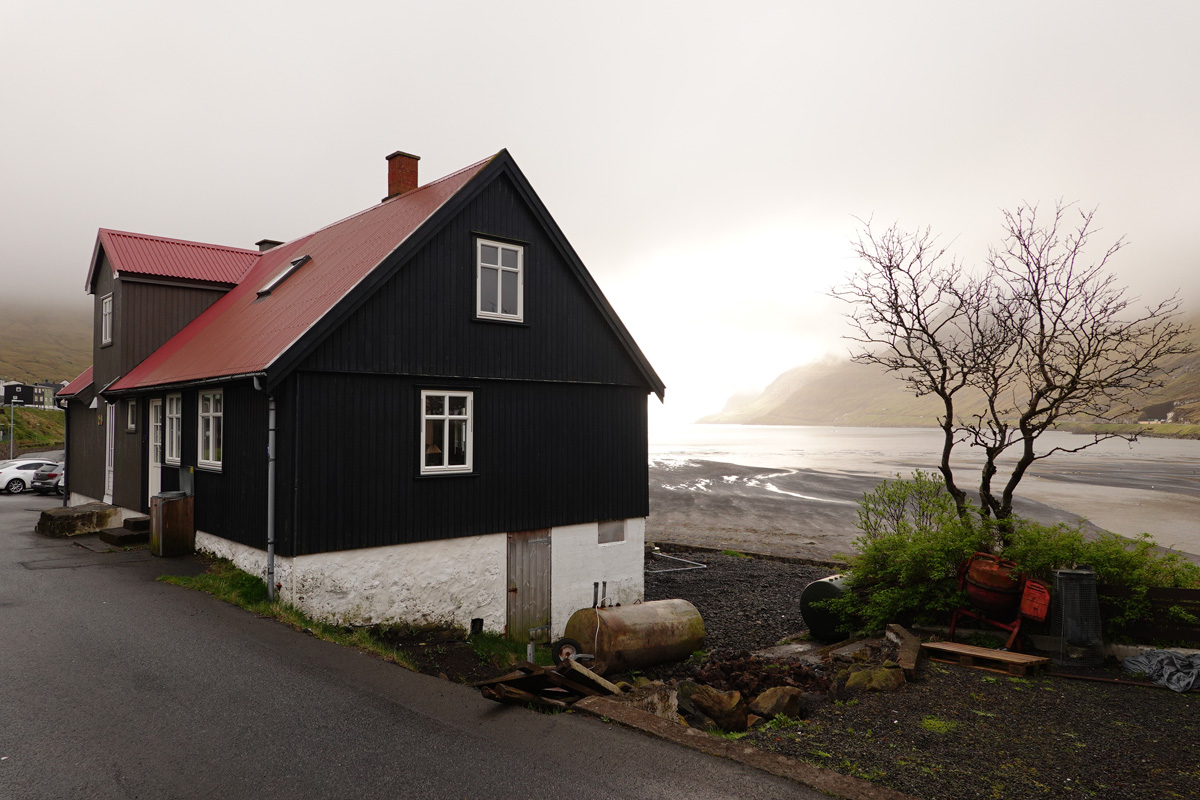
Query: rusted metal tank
[(624, 637)]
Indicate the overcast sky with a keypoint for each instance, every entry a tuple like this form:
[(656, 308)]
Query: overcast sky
[(706, 160)]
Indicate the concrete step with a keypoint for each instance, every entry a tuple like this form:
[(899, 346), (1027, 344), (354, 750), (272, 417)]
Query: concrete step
[(138, 524), (123, 537)]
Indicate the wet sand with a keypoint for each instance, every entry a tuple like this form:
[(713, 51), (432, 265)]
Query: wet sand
[(813, 514)]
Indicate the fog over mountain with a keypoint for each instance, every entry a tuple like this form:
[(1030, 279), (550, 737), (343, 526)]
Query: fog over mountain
[(840, 392)]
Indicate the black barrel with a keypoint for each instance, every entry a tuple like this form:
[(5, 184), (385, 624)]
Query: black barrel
[(823, 623)]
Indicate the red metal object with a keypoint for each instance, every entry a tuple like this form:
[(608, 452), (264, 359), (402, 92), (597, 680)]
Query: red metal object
[(998, 593), (1035, 600), (993, 584)]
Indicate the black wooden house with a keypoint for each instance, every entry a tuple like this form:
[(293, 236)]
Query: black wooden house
[(459, 416)]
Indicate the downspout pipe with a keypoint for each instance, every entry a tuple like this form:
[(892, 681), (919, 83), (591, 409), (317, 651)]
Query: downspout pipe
[(270, 489)]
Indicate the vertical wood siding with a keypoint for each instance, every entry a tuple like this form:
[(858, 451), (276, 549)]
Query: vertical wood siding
[(129, 479), (153, 313), (232, 503), (85, 454), (105, 358), (422, 321), (545, 454)]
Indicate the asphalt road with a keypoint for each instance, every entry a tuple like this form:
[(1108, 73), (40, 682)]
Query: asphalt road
[(115, 686)]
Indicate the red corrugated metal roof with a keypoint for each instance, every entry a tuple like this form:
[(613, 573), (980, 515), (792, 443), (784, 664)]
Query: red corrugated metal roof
[(78, 385), (242, 334), (157, 256)]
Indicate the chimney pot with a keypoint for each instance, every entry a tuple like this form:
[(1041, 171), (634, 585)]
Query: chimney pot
[(266, 244), (402, 173)]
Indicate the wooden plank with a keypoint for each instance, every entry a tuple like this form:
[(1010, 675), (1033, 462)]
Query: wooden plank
[(585, 675), (1020, 669), (524, 670), (578, 688), (972, 651), (504, 693)]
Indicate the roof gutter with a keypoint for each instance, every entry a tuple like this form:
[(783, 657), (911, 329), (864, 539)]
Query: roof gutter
[(106, 392)]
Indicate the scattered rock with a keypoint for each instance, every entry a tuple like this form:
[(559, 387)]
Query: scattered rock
[(655, 698), (727, 709), (687, 709), (875, 679), (910, 647), (852, 652), (786, 700)]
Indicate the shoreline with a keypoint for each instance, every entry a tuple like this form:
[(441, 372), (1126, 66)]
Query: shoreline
[(812, 514)]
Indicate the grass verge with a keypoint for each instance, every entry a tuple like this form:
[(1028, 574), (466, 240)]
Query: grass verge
[(226, 582)]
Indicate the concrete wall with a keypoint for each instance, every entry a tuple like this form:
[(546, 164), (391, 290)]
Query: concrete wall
[(447, 581), (577, 561)]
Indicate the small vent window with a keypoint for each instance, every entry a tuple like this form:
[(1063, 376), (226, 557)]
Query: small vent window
[(284, 275), (611, 531)]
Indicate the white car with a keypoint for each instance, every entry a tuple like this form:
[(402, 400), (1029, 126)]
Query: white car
[(17, 475)]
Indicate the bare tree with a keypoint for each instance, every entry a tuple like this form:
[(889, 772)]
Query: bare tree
[(1042, 334)]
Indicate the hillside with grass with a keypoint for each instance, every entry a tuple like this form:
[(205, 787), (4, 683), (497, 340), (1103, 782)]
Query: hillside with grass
[(40, 342), (840, 392)]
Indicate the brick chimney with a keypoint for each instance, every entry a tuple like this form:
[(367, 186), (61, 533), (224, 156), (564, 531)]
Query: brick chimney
[(402, 173)]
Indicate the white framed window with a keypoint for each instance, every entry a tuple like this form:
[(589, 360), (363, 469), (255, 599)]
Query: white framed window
[(106, 319), (447, 426), (209, 431), (610, 531), (174, 438), (131, 415), (499, 280)]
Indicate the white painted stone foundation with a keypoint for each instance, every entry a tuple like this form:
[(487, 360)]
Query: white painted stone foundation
[(446, 581)]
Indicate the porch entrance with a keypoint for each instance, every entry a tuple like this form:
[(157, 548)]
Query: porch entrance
[(529, 585)]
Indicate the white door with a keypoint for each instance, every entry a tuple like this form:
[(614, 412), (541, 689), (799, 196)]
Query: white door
[(110, 441), (154, 479)]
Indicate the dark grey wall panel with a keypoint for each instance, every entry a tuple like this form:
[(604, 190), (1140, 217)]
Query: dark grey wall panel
[(232, 503), (85, 451), (153, 313), (422, 321), (544, 455)]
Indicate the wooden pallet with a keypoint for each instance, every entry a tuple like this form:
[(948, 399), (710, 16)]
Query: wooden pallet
[(557, 687), (983, 658)]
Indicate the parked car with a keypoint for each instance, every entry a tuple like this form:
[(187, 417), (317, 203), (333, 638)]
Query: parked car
[(17, 475), (50, 478)]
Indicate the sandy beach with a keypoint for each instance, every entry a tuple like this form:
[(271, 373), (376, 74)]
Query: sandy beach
[(812, 514)]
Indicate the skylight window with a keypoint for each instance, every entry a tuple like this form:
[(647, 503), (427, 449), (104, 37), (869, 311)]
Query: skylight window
[(284, 275)]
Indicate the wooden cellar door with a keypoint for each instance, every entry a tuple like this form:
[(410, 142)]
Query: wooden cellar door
[(529, 585)]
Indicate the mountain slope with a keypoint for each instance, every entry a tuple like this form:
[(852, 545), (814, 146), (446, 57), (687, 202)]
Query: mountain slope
[(840, 392), (44, 342)]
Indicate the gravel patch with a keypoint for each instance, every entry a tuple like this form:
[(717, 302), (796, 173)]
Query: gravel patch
[(952, 733), (959, 733), (746, 603)]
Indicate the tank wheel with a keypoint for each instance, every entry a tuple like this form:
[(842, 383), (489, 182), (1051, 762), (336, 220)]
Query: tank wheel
[(564, 650)]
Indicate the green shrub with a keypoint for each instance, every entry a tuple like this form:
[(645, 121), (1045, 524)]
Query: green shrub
[(912, 540), (909, 548)]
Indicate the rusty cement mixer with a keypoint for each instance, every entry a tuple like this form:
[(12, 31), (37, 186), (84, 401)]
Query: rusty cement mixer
[(624, 637)]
